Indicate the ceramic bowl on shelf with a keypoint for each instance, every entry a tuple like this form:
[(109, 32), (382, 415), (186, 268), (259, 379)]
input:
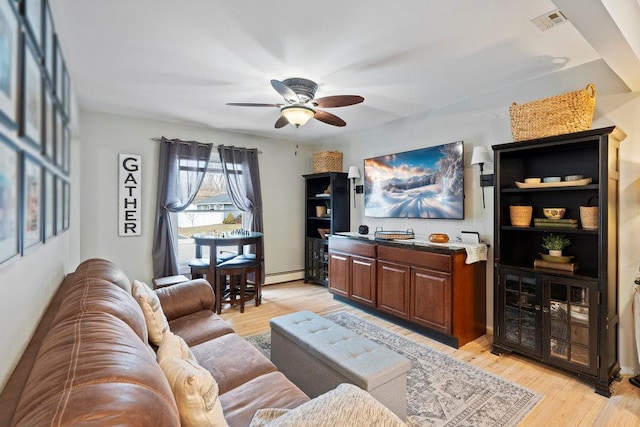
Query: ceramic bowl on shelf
[(532, 180), (554, 213), (573, 177), (551, 179)]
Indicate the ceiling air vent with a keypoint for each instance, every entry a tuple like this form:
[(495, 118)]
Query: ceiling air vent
[(549, 20)]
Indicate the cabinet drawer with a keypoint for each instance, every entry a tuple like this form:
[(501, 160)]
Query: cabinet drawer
[(353, 248), (431, 260)]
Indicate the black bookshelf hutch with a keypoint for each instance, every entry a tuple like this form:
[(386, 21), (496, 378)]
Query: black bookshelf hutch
[(566, 319), (316, 259)]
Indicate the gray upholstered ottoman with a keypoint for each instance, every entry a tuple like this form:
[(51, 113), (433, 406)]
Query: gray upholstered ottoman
[(318, 355)]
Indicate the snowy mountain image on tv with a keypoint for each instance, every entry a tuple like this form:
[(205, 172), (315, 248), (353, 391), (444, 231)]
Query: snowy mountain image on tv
[(423, 183)]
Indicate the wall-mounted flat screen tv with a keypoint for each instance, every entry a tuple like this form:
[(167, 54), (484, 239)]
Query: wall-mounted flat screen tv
[(423, 183)]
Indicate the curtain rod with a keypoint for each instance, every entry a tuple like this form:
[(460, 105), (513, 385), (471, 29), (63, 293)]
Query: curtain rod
[(156, 139)]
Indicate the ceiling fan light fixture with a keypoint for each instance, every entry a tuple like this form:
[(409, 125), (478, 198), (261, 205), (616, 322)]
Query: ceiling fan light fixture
[(297, 115)]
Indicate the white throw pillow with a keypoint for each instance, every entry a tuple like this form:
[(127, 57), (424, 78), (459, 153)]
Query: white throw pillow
[(195, 392), (174, 346), (157, 323)]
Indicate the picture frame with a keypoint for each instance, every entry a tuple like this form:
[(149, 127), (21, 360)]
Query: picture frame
[(423, 183), (31, 111), (48, 128), (32, 224), (59, 137), (10, 56), (48, 42), (9, 200), (49, 192), (67, 205), (59, 72), (59, 195), (66, 148), (32, 11)]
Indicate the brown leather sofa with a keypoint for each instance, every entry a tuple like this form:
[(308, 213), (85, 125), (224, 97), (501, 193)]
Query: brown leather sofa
[(89, 361)]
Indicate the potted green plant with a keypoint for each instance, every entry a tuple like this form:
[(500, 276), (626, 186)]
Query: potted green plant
[(555, 243)]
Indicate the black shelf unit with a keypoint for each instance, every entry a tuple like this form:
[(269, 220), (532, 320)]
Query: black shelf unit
[(316, 259), (568, 320)]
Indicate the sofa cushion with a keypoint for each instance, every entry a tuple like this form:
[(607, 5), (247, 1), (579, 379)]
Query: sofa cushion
[(201, 326), (185, 298), (173, 346), (272, 390), (346, 405), (195, 391), (231, 360), (94, 369), (103, 269), (90, 294), (157, 323)]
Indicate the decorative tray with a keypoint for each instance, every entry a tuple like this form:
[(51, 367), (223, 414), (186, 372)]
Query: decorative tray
[(576, 183), (394, 235)]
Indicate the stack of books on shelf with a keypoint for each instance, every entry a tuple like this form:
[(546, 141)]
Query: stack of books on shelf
[(564, 266), (552, 223)]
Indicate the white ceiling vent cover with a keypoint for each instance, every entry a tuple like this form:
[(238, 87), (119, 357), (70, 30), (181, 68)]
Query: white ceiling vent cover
[(549, 20)]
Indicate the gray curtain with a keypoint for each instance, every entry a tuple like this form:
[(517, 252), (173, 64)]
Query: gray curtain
[(181, 169), (240, 167)]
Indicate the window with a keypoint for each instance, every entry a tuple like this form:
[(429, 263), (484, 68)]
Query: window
[(211, 211)]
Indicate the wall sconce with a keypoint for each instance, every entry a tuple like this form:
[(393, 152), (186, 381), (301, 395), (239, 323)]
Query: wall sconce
[(481, 156), (353, 174)]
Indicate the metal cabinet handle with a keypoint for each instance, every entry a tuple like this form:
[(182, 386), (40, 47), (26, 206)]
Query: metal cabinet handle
[(537, 307), (545, 309)]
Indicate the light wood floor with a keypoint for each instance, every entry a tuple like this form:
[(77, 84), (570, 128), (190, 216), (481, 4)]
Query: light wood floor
[(566, 402)]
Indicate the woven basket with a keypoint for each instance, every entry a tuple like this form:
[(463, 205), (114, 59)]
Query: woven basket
[(557, 115), (327, 161), (589, 216), (520, 215)]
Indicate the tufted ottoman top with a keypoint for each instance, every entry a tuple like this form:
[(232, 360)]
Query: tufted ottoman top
[(364, 362)]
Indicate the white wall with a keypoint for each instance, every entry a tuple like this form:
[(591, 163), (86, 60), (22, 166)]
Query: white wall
[(106, 135), (485, 121)]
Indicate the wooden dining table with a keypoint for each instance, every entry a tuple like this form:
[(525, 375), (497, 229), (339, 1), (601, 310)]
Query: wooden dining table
[(236, 239)]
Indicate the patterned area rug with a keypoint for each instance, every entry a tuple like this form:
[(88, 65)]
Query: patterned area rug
[(441, 390)]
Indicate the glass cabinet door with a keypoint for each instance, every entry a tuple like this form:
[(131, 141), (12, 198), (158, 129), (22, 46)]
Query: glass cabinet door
[(521, 323), (571, 306)]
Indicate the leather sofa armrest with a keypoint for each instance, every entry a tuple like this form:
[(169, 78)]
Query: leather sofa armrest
[(186, 298)]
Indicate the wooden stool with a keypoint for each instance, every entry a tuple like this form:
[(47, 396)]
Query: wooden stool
[(239, 267), (199, 267)]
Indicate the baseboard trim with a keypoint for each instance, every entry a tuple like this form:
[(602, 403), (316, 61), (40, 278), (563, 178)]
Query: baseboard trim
[(283, 276)]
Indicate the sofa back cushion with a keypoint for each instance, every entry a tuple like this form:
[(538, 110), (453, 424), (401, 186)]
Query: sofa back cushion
[(89, 294), (103, 269), (93, 368)]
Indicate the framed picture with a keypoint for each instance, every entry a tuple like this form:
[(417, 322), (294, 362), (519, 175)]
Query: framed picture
[(66, 84), (10, 45), (66, 148), (423, 183), (48, 128), (59, 136), (31, 117), (66, 208), (48, 42), (49, 204), (31, 201), (59, 204), (59, 72), (9, 190), (32, 10)]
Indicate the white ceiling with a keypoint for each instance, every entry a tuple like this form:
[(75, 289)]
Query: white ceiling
[(181, 61)]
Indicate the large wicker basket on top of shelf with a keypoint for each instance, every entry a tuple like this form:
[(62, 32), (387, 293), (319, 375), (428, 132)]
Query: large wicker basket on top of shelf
[(565, 113), (327, 161)]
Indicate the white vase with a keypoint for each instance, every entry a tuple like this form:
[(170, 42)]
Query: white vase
[(555, 252)]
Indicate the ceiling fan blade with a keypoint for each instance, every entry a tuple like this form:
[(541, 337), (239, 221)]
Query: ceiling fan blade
[(281, 122), (337, 101), (251, 104), (284, 90), (329, 118)]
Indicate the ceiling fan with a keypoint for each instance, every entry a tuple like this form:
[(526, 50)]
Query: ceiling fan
[(301, 105)]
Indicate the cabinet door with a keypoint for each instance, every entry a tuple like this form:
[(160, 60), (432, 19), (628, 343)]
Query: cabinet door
[(339, 277), (363, 280), (431, 299), (570, 322), (519, 309), (393, 288)]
